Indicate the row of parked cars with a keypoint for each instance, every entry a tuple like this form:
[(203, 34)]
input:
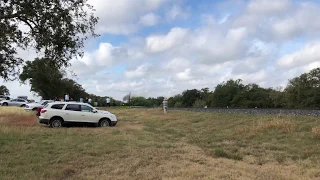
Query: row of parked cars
[(57, 113), (22, 102)]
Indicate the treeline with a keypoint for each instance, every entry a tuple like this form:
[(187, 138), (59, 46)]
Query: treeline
[(49, 81), (300, 92)]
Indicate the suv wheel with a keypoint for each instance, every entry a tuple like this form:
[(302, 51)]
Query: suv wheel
[(56, 123), (104, 123), (5, 104)]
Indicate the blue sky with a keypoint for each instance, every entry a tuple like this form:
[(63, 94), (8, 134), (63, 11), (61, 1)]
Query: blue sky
[(162, 47)]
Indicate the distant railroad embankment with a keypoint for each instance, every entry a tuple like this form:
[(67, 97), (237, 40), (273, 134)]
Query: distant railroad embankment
[(295, 112)]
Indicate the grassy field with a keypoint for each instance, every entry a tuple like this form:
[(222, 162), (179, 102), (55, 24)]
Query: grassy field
[(146, 144)]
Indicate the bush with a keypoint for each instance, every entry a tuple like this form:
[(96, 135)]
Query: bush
[(219, 152), (199, 103), (178, 104)]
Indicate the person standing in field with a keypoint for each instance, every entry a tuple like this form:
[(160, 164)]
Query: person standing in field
[(108, 101), (90, 101), (66, 97)]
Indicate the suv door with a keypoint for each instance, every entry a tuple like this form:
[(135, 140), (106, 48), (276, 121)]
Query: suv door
[(88, 115), (73, 113)]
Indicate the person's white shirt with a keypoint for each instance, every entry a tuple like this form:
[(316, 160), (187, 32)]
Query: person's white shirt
[(66, 97), (108, 100), (90, 100)]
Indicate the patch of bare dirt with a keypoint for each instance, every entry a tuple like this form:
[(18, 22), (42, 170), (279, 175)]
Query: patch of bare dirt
[(19, 120)]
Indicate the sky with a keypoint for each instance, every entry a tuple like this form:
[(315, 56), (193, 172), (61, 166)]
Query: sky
[(162, 47)]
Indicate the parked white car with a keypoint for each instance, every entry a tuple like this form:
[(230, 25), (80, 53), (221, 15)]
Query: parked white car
[(57, 114), (14, 102), (35, 106), (3, 97)]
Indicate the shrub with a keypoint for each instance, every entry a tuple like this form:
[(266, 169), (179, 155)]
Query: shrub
[(199, 103), (178, 104), (220, 152)]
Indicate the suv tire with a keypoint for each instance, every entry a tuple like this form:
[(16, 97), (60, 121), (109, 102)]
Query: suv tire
[(104, 123), (56, 123)]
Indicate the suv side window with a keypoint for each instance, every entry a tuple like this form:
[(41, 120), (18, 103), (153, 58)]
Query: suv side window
[(56, 106), (73, 107), (85, 108), (21, 100)]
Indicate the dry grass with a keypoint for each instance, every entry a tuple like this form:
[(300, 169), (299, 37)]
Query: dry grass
[(149, 145), (14, 111), (262, 126), (315, 132)]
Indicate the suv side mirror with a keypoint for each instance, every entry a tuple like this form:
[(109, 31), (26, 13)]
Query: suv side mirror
[(94, 111)]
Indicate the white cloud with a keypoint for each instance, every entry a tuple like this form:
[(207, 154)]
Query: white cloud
[(267, 6), (149, 19), (280, 20), (177, 64), (184, 75), (224, 19), (104, 57), (159, 43), (309, 54), (176, 12), (304, 20), (120, 17), (139, 72)]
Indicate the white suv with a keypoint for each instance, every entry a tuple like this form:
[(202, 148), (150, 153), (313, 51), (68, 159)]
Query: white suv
[(58, 114)]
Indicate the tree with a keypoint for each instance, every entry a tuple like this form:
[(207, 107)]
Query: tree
[(277, 97), (156, 102), (175, 99), (55, 28), (4, 90), (140, 101), (74, 89), (304, 91), (190, 96), (225, 92), (46, 79), (199, 103), (252, 95)]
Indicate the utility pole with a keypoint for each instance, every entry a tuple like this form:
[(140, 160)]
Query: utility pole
[(129, 99)]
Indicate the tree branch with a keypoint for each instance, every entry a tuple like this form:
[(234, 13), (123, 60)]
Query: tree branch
[(27, 23), (10, 16)]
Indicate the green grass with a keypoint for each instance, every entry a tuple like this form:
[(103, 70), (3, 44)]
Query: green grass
[(146, 144)]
